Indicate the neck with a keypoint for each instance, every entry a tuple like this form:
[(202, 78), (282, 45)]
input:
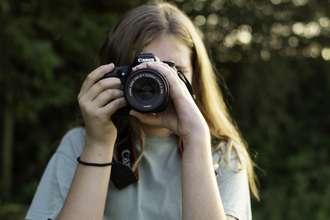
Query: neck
[(156, 131)]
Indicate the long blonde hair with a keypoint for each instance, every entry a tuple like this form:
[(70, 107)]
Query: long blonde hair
[(144, 24)]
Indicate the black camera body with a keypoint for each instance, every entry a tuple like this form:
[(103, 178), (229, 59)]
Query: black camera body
[(145, 90)]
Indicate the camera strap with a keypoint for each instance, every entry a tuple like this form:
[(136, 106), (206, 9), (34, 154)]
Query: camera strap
[(188, 85), (122, 174)]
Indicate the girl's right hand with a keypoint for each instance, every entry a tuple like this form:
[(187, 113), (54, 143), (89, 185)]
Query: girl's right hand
[(98, 100)]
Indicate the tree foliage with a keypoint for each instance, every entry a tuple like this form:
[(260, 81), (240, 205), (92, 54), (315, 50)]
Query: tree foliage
[(274, 56), (48, 47)]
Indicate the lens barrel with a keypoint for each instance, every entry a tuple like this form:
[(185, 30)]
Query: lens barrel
[(147, 91)]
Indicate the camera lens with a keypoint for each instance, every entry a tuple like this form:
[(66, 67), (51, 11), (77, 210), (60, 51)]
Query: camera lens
[(147, 91), (145, 88)]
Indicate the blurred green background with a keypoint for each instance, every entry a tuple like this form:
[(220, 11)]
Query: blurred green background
[(274, 56)]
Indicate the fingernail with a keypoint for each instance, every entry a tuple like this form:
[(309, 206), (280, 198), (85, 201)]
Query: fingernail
[(111, 65), (134, 68)]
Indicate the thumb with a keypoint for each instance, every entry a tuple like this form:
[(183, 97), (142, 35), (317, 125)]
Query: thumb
[(151, 118)]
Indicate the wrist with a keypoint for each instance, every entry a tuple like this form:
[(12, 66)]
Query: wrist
[(197, 143), (97, 151), (100, 141), (199, 134)]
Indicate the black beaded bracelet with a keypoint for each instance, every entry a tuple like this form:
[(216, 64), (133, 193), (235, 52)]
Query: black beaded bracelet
[(95, 164)]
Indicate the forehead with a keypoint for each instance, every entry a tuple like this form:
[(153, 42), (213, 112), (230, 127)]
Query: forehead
[(169, 48)]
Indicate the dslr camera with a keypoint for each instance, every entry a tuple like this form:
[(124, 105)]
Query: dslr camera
[(145, 90)]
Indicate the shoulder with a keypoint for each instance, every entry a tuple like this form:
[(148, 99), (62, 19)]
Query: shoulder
[(77, 132), (230, 155), (232, 180), (73, 142), (56, 180)]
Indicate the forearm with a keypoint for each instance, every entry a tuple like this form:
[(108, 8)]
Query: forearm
[(98, 101), (200, 193), (88, 191)]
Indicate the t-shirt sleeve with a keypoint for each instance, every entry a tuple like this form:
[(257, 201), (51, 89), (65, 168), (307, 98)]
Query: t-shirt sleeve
[(56, 180), (234, 188)]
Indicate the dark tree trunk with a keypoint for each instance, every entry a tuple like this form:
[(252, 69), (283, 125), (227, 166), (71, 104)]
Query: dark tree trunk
[(7, 154)]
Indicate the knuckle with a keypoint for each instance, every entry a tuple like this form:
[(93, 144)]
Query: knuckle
[(109, 92), (116, 103), (81, 102), (90, 76), (89, 110), (119, 103), (117, 92), (102, 83)]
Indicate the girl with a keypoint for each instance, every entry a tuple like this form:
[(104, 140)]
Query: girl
[(171, 185)]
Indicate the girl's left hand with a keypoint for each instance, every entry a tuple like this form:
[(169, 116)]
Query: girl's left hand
[(182, 116)]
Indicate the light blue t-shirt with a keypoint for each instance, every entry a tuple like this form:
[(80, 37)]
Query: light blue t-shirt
[(158, 193)]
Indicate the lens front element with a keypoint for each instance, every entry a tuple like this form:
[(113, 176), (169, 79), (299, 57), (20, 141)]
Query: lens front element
[(146, 88), (147, 91)]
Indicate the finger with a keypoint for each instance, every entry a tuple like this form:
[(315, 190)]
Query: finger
[(94, 76), (151, 118), (177, 86), (107, 96), (113, 106), (160, 65), (100, 86)]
